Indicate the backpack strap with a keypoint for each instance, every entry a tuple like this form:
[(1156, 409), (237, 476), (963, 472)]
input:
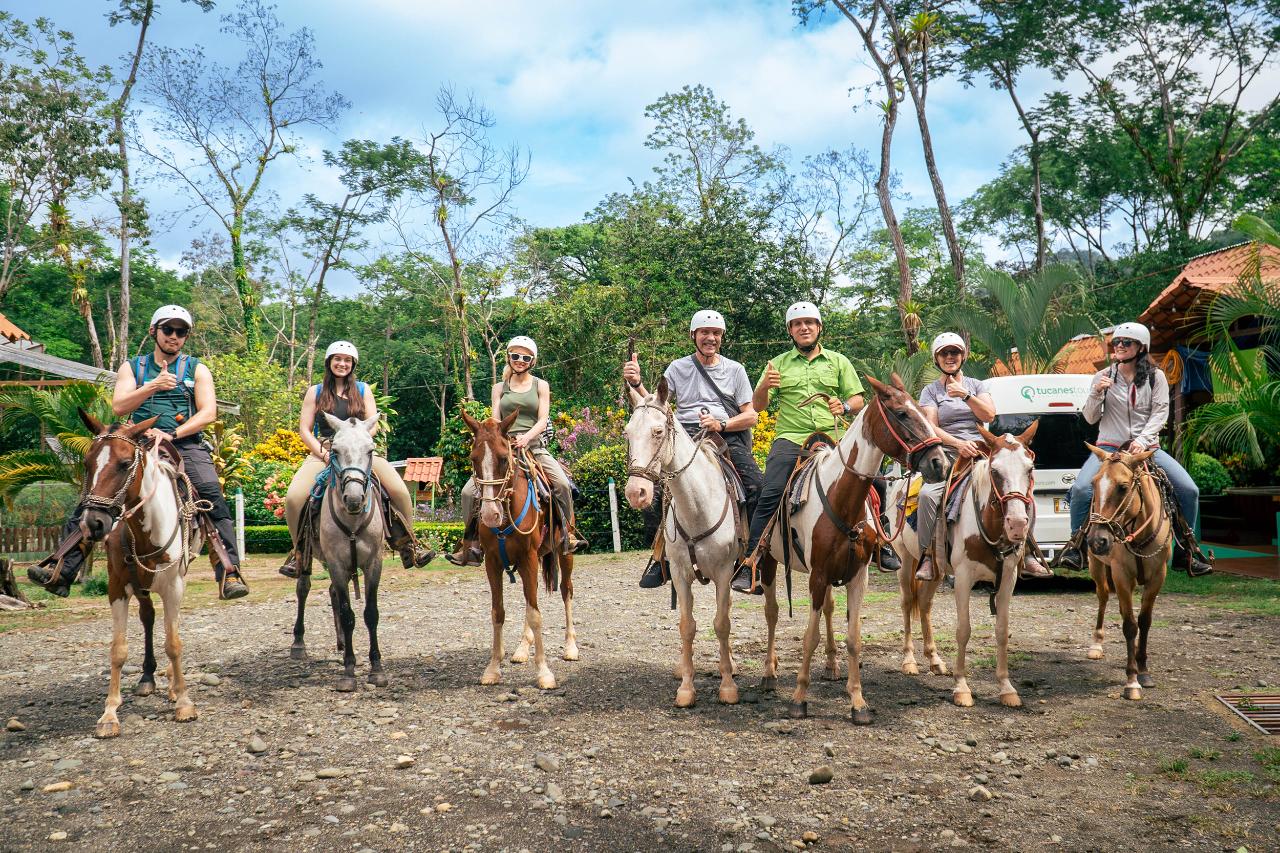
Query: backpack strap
[(140, 364)]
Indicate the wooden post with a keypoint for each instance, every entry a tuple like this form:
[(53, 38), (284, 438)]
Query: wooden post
[(613, 517)]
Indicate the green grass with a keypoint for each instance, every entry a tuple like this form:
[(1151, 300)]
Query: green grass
[(989, 661), (1221, 781), (1175, 766), (1269, 758), (1233, 737), (1228, 592), (1205, 754)]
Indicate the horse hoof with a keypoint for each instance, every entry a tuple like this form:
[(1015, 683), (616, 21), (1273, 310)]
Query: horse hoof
[(910, 669), (1134, 693), (686, 698), (798, 710), (1145, 680), (938, 669), (378, 679), (863, 716), (346, 684), (520, 655), (1011, 700), (145, 688), (491, 677), (107, 728), (297, 652), (729, 695), (570, 653), (547, 682), (832, 674), (184, 713), (964, 700), (1095, 653), (769, 682)]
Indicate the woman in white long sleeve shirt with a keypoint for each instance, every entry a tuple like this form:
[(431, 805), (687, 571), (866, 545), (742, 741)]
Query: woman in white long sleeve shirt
[(1129, 401)]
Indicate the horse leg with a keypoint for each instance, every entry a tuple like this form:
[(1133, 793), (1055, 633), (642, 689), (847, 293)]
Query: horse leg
[(171, 597), (832, 670), (769, 681), (298, 651), (1149, 592), (1004, 602), (728, 688), (529, 579), (338, 586), (924, 601), (817, 597), (860, 710), (1099, 571), (497, 616), (377, 675), (521, 654), (566, 595), (682, 577), (336, 607), (1129, 624), (147, 613), (960, 693), (108, 724), (909, 603)]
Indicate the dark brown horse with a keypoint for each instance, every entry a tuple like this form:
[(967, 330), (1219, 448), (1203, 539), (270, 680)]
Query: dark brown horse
[(515, 537), (134, 503), (833, 539)]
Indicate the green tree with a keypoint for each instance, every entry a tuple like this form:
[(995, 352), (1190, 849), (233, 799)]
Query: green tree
[(56, 412)]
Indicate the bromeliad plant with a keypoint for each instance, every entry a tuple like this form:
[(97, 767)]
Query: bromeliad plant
[(67, 437)]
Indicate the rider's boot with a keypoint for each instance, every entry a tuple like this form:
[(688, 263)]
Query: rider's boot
[(889, 561), (1033, 568), (746, 577), (925, 571), (1193, 561), (401, 538), (56, 582), (468, 553), (655, 574), (290, 569), (230, 583), (1070, 558), (571, 541)]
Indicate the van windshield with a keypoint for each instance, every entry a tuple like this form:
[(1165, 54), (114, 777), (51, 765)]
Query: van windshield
[(1059, 442)]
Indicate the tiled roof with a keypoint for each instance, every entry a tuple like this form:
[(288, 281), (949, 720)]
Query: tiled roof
[(1083, 354), (10, 331), (423, 470), (1172, 316)]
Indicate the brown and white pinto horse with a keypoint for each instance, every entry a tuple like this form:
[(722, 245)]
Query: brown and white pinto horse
[(836, 542), (125, 480), (1130, 539), (986, 543), (513, 534)]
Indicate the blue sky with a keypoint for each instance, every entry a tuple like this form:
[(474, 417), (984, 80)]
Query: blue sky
[(569, 81)]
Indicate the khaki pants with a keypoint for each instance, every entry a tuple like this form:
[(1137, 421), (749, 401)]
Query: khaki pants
[(561, 491), (303, 481)]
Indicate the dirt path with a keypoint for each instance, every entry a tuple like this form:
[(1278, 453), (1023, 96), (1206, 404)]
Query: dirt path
[(605, 762)]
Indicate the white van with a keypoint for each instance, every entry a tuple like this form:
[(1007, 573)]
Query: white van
[(1057, 400)]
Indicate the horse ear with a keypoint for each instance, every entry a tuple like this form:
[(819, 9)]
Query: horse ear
[(664, 391), (95, 426), (1097, 451), (1144, 455), (992, 440), (370, 423), (1029, 433), (510, 419), (879, 387), (140, 428), (333, 422), (472, 423), (897, 382)]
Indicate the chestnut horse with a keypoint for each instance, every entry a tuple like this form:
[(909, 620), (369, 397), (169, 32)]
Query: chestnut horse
[(1130, 540), (832, 531), (132, 500), (514, 536)]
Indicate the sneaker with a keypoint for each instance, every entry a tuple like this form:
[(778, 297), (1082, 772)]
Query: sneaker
[(653, 576), (889, 561), (467, 555), (1034, 569), (1195, 565), (233, 586), (743, 581), (290, 568), (415, 556)]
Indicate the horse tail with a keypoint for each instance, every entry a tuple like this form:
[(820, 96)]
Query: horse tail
[(551, 571)]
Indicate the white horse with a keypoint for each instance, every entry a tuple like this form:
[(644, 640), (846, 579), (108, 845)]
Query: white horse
[(987, 542), (698, 523)]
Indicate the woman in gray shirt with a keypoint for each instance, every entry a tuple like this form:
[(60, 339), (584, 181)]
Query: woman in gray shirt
[(955, 404), (1129, 401)]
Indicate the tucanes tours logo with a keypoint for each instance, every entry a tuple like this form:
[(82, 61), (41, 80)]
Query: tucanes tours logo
[(1031, 392)]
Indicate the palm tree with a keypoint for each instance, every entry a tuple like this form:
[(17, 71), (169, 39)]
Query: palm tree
[(1245, 414), (916, 370), (57, 412), (1034, 317)]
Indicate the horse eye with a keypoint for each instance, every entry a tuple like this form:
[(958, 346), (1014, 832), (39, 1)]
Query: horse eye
[(1122, 488), (657, 433), (121, 464)]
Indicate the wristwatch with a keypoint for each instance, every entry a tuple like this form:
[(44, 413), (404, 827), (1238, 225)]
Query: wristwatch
[(724, 425), (635, 384), (966, 396), (846, 408)]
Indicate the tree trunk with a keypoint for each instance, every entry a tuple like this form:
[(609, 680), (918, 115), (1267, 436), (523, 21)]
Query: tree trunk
[(244, 288), (9, 584)]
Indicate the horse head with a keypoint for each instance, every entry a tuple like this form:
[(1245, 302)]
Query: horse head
[(649, 444), (351, 454), (491, 464), (113, 468), (897, 426), (1117, 505), (1010, 466)]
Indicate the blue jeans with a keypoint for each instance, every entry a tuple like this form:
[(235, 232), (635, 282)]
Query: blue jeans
[(1184, 488)]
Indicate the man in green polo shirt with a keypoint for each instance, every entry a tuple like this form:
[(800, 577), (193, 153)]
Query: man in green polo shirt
[(807, 369)]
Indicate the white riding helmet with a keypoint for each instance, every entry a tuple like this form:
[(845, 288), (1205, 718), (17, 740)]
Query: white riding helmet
[(1134, 331), (948, 339), (171, 312), (524, 341), (342, 348), (707, 319), (803, 309)]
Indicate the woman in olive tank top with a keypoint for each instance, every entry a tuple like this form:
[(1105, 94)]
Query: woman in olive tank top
[(520, 391), (342, 396)]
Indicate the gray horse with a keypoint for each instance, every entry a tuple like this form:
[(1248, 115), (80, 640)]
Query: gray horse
[(349, 532)]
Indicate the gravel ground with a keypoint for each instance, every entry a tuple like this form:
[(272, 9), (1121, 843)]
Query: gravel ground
[(278, 760)]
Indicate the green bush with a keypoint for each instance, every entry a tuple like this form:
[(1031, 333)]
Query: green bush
[(94, 584), (259, 471), (1209, 474), (43, 505), (455, 446), (591, 473), (274, 538)]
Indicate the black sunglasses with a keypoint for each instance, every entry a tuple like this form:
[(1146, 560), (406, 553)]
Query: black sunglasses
[(950, 353), (1123, 342), (176, 331), (521, 357)]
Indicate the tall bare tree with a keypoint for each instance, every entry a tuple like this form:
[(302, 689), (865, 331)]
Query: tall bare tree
[(230, 124)]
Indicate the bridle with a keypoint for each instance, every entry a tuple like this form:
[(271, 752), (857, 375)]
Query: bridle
[(652, 470), (115, 505), (503, 498), (1115, 523), (348, 474), (909, 449), (1000, 501), (343, 476)]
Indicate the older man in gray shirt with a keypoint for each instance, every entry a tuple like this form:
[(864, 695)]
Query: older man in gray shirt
[(712, 392)]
